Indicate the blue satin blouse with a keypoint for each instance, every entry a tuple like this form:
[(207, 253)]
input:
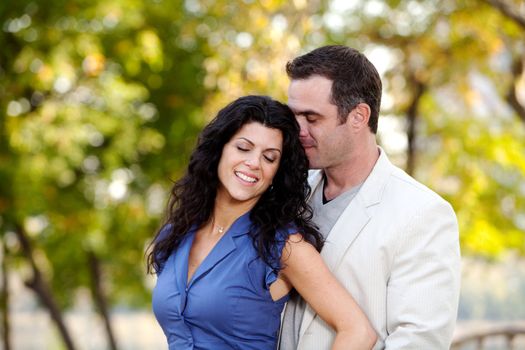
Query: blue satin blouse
[(227, 303)]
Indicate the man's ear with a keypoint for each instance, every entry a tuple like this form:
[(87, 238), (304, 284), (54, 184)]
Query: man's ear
[(360, 116)]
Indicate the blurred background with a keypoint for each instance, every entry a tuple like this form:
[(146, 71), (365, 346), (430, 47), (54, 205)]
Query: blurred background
[(101, 102)]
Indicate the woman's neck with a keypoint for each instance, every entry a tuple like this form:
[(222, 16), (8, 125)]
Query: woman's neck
[(226, 212)]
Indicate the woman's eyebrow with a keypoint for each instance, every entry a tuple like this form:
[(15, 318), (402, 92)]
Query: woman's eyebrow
[(267, 149), (247, 140)]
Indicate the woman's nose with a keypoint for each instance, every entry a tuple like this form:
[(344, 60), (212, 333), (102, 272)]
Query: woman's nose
[(252, 163)]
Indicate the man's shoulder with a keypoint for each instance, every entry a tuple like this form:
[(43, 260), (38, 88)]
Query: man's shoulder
[(388, 183), (404, 187)]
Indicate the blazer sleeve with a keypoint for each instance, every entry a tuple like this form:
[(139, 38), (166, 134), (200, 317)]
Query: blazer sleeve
[(423, 288)]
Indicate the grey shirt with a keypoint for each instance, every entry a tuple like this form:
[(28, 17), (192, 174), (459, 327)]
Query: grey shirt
[(325, 217)]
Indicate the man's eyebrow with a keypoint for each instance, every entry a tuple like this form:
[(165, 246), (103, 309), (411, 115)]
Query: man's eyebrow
[(306, 112)]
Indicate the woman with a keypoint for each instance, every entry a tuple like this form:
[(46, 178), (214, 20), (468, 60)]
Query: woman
[(238, 238)]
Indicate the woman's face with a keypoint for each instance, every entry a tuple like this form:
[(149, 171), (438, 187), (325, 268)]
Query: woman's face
[(248, 163)]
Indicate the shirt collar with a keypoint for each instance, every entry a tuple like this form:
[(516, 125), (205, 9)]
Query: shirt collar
[(241, 225)]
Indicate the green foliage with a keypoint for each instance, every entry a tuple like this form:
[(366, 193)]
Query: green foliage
[(101, 102), (97, 117), (470, 143)]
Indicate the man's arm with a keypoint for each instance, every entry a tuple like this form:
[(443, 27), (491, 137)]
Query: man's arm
[(423, 288)]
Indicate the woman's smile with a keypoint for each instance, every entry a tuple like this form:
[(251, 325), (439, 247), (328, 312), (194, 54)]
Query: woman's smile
[(249, 162), (246, 178)]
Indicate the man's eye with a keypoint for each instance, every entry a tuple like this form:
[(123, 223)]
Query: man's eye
[(310, 119)]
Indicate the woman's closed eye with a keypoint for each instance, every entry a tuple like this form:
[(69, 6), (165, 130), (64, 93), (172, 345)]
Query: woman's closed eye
[(270, 159), (272, 156)]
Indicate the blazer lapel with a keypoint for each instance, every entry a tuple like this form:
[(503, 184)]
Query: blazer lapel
[(339, 240), (315, 178), (352, 221)]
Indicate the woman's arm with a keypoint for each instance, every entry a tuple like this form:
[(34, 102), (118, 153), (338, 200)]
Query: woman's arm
[(306, 271)]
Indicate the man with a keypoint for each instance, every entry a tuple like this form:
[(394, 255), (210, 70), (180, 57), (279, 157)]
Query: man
[(392, 242)]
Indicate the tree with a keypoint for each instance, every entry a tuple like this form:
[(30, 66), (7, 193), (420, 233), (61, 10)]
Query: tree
[(454, 75), (83, 146), (101, 103)]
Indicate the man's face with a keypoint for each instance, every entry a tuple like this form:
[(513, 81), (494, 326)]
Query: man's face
[(327, 141)]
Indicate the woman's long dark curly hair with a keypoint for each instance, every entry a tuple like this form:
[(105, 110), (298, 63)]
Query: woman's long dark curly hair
[(193, 196)]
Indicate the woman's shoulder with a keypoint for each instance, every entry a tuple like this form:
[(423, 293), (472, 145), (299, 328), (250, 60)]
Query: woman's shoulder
[(284, 232), (164, 232)]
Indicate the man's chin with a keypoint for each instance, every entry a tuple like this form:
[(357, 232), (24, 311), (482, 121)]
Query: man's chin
[(313, 159), (313, 164)]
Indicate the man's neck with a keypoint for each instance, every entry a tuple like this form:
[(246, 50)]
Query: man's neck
[(344, 176)]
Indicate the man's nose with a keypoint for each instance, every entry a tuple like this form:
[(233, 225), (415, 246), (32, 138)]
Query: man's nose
[(303, 131)]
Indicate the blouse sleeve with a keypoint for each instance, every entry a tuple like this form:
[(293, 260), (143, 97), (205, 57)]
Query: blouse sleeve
[(272, 272), (164, 232)]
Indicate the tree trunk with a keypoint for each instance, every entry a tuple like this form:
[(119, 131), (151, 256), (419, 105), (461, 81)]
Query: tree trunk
[(509, 11), (512, 95), (419, 89), (99, 297), (42, 289), (4, 300)]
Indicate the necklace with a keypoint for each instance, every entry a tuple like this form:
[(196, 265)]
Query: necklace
[(220, 229)]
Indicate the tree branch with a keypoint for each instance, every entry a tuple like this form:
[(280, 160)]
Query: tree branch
[(4, 299), (42, 289), (512, 95), (509, 12), (412, 112), (100, 299)]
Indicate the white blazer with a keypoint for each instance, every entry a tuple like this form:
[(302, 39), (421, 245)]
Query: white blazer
[(396, 250)]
